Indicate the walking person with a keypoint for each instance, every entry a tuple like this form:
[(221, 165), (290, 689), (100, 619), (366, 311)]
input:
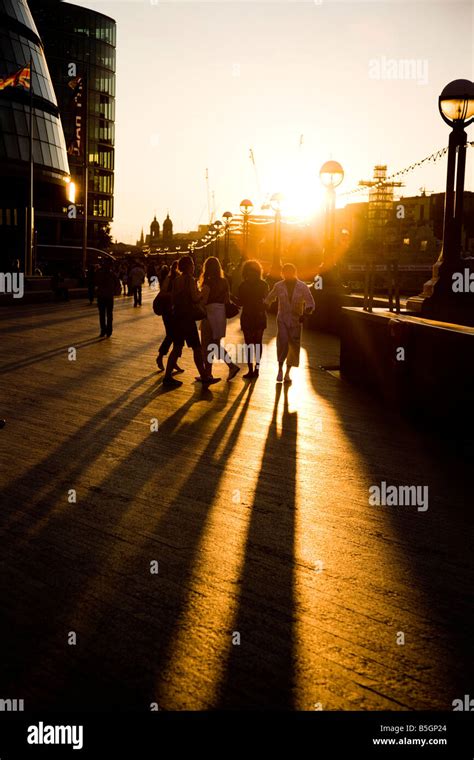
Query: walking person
[(166, 278), (137, 278), (294, 300), (215, 295), (123, 276), (186, 301), (107, 284), (253, 319), (91, 283)]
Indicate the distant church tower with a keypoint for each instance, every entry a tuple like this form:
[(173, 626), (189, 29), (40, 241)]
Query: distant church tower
[(141, 242), (167, 230), (154, 232)]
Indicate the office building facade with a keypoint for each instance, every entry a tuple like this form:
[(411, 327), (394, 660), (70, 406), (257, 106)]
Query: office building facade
[(20, 44), (80, 48)]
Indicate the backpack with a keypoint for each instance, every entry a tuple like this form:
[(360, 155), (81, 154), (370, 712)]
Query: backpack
[(163, 301)]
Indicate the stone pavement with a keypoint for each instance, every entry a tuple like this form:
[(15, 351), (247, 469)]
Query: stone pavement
[(278, 585)]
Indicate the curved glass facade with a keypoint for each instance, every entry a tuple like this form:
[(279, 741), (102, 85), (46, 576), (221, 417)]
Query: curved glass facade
[(81, 43), (20, 44)]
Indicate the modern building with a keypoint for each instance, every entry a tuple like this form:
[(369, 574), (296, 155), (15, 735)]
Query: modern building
[(80, 49), (19, 44)]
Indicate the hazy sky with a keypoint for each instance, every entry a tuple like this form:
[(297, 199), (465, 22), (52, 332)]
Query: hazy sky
[(199, 84)]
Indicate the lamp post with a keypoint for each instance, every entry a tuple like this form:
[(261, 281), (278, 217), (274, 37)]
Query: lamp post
[(227, 217), (331, 175), (438, 301), (275, 203), (246, 208), (217, 227)]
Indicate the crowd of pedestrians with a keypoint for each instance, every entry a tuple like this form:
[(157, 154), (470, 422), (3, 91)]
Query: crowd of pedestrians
[(183, 301)]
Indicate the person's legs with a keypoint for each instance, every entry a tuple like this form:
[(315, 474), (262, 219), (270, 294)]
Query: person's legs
[(206, 343), (282, 348), (249, 353), (101, 307), (135, 295), (166, 343), (258, 349), (175, 353), (172, 359), (192, 340), (294, 344), (109, 315), (226, 357), (139, 295), (199, 362)]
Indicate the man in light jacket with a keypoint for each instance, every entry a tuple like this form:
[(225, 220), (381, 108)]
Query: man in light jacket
[(294, 300)]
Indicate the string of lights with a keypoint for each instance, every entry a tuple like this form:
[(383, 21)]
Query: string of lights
[(436, 156)]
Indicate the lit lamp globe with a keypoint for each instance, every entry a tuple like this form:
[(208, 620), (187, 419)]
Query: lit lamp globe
[(331, 174), (456, 103), (276, 200), (227, 216), (217, 225), (246, 207)]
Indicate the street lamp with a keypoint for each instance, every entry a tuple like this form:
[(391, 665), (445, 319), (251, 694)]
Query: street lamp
[(456, 106), (331, 175), (227, 216), (246, 208), (217, 227), (275, 203)]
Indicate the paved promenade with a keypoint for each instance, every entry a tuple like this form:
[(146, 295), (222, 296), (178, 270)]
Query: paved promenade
[(231, 558)]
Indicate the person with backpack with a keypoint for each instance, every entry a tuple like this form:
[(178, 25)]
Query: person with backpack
[(187, 308), (166, 278)]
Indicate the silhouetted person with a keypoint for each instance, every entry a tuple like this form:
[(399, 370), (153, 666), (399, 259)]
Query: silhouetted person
[(253, 319), (294, 299), (183, 323), (107, 284), (91, 283), (166, 278), (215, 294), (137, 278), (58, 283)]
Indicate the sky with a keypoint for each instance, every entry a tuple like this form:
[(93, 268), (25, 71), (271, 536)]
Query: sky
[(199, 84)]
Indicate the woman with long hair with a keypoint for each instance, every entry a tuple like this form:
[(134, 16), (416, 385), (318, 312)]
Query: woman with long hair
[(253, 319), (215, 294)]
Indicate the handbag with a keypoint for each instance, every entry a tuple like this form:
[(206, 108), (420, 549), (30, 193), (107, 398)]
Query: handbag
[(163, 301), (198, 311), (231, 309)]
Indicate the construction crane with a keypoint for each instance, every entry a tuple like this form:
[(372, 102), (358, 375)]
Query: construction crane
[(257, 178), (210, 213)]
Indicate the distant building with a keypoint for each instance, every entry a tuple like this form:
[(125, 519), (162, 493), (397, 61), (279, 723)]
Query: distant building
[(167, 231), (20, 41), (153, 239), (80, 49), (154, 236)]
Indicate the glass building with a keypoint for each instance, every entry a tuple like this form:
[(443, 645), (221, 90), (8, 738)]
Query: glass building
[(19, 44), (80, 46)]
